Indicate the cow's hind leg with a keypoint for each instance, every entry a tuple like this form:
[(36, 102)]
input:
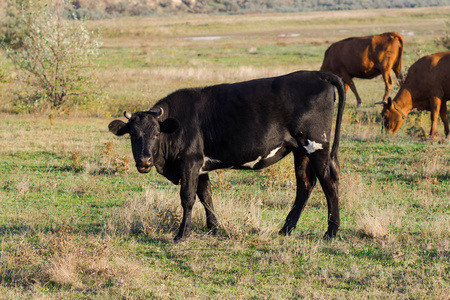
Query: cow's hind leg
[(388, 83), (329, 180), (349, 81), (306, 180), (204, 193), (444, 117)]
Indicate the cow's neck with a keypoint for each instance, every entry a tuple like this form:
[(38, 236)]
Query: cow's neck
[(164, 158), (403, 101), (159, 158)]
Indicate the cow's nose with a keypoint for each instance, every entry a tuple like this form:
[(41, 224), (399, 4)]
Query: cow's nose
[(144, 164)]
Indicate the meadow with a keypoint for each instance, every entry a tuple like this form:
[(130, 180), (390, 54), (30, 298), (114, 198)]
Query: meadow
[(78, 221)]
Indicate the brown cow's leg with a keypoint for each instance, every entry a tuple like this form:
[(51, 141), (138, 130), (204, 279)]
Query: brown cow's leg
[(349, 82), (435, 107), (444, 117), (204, 193), (398, 73), (388, 83), (306, 180)]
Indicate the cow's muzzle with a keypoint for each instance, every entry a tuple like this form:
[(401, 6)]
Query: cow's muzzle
[(144, 165)]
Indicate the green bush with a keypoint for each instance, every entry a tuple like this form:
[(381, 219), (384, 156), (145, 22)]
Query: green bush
[(54, 54)]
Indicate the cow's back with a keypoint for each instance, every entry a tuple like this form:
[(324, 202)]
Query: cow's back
[(266, 110), (430, 75), (361, 56), (279, 100), (348, 56)]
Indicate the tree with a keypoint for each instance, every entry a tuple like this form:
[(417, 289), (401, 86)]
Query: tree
[(55, 53)]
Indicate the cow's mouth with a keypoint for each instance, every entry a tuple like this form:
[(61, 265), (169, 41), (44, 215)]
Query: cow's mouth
[(144, 169)]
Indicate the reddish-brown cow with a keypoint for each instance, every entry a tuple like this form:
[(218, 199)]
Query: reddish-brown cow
[(366, 57), (427, 87)]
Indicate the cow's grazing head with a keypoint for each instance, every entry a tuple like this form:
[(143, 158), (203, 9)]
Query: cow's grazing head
[(393, 116), (144, 129)]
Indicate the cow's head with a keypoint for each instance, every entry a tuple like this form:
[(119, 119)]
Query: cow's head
[(392, 115), (144, 129)]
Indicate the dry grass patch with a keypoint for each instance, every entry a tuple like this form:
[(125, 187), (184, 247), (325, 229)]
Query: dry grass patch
[(153, 212), (239, 215), (59, 258), (372, 217), (159, 211), (373, 222)]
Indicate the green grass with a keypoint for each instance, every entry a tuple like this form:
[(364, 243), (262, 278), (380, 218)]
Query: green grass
[(101, 230)]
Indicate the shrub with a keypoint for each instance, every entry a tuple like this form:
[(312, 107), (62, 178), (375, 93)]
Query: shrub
[(54, 54)]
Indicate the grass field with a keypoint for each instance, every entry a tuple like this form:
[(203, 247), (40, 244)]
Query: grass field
[(78, 221)]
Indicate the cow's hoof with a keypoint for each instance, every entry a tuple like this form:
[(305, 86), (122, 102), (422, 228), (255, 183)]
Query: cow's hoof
[(179, 239), (286, 231), (326, 237), (212, 229), (329, 235)]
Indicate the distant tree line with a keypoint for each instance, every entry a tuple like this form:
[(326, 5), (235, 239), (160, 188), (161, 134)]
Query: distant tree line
[(95, 9), (101, 9)]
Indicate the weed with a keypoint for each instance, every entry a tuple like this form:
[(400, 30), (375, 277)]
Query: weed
[(109, 149), (75, 160), (51, 117)]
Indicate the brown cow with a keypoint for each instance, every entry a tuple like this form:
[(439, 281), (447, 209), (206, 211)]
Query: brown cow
[(427, 87), (366, 57)]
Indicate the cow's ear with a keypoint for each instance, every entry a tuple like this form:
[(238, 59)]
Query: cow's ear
[(118, 127), (389, 102), (169, 125)]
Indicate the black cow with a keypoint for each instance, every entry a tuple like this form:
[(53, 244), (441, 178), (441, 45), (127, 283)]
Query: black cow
[(246, 125)]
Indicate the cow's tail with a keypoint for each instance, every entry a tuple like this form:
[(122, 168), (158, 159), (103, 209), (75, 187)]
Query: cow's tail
[(337, 82), (397, 68)]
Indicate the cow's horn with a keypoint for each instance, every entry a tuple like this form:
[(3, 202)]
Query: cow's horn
[(380, 102), (127, 115), (157, 111)]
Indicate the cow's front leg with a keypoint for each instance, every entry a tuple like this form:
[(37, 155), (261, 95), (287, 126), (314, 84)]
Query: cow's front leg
[(204, 193), (189, 183), (435, 108)]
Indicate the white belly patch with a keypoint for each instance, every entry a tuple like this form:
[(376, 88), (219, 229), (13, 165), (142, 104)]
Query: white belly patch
[(251, 164), (273, 152), (207, 160)]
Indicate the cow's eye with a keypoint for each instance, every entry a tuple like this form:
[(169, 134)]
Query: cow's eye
[(156, 136)]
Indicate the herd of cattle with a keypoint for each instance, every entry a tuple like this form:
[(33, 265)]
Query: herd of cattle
[(253, 124), (427, 86)]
